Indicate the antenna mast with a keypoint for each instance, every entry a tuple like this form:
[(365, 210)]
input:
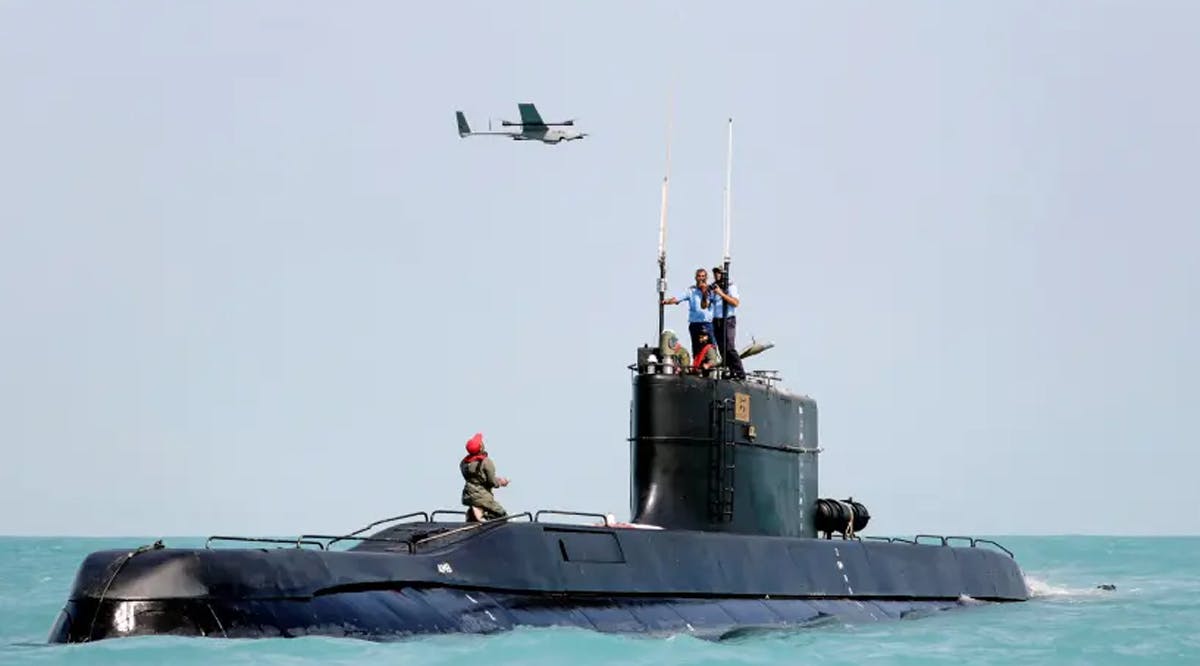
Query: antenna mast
[(662, 239), (725, 350), (728, 196)]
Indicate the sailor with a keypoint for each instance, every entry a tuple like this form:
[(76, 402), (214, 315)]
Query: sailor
[(725, 322), (700, 308), (479, 475), (673, 353), (708, 357)]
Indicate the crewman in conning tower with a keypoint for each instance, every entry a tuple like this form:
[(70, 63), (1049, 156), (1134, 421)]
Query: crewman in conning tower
[(479, 475)]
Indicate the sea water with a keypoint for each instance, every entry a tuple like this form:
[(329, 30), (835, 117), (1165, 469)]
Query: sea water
[(1152, 617)]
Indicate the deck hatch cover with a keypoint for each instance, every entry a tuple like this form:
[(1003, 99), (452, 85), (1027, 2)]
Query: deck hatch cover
[(588, 546)]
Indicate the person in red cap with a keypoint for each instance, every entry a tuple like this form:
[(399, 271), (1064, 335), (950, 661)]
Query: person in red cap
[(479, 475)]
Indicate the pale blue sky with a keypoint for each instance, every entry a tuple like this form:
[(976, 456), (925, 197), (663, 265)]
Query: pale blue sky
[(252, 281)]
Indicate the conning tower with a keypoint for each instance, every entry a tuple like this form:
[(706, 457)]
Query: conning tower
[(717, 455)]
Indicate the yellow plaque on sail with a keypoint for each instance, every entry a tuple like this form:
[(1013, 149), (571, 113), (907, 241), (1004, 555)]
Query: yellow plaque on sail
[(741, 407)]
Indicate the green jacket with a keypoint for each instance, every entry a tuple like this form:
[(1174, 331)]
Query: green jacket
[(682, 358), (480, 478)]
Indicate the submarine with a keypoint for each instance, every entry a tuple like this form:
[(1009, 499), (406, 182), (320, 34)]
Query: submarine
[(727, 535)]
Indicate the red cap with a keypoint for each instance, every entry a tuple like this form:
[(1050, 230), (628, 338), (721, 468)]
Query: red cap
[(475, 444)]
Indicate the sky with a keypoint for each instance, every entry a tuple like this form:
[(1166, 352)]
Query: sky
[(252, 281)]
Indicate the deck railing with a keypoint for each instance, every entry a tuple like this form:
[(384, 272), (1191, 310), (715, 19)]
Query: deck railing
[(411, 545)]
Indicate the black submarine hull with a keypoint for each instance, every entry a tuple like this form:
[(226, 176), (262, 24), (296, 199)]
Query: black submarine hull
[(513, 574), (725, 470), (394, 614)]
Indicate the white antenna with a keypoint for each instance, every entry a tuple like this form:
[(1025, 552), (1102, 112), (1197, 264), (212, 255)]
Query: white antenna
[(662, 232), (662, 220), (662, 228), (728, 193)]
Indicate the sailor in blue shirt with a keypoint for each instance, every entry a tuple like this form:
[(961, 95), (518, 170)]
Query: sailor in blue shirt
[(725, 322), (700, 299)]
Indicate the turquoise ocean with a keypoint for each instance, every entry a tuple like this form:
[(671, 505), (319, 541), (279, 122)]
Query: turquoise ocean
[(1153, 617)]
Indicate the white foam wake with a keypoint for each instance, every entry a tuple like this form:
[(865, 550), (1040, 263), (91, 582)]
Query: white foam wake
[(1039, 588)]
